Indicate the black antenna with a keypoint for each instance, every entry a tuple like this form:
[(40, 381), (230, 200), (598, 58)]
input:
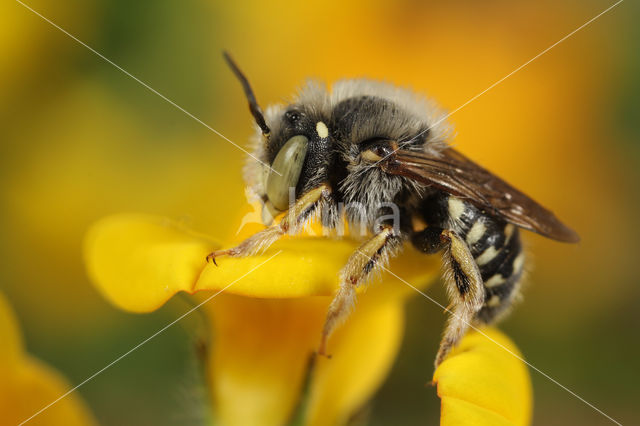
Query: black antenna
[(253, 104)]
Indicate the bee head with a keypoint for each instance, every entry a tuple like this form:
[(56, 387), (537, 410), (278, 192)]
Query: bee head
[(292, 151), (298, 154)]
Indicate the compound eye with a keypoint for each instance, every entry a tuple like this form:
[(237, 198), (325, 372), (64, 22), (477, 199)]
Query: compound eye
[(288, 165), (374, 154), (378, 150)]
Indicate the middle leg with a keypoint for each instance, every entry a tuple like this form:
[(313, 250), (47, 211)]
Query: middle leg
[(359, 267)]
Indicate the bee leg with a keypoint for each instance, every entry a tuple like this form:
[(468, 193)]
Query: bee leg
[(359, 266), (292, 222), (465, 288)]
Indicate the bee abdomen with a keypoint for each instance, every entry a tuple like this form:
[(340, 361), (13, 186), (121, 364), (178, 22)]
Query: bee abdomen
[(501, 274), (496, 248)]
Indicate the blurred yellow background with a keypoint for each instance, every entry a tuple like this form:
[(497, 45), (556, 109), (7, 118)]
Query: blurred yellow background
[(81, 140)]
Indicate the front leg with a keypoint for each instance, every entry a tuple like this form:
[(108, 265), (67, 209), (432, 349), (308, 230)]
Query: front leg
[(359, 266), (293, 221)]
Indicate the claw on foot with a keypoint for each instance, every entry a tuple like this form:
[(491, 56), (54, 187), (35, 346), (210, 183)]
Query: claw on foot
[(327, 356), (322, 349), (211, 257)]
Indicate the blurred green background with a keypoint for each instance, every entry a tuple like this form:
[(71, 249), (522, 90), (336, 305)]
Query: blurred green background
[(81, 140)]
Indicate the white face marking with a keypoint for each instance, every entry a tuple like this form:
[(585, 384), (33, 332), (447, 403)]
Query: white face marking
[(476, 232), (487, 256), (322, 130), (456, 208), (495, 280), (494, 301)]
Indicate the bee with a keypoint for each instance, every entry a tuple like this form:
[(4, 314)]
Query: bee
[(384, 149)]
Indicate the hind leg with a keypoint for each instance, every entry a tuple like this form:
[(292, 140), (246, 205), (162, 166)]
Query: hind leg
[(466, 291)]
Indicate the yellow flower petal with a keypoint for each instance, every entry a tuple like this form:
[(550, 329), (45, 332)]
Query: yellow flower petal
[(481, 383), (363, 353), (138, 262), (261, 350), (27, 389), (28, 385), (259, 354), (263, 342), (305, 266)]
